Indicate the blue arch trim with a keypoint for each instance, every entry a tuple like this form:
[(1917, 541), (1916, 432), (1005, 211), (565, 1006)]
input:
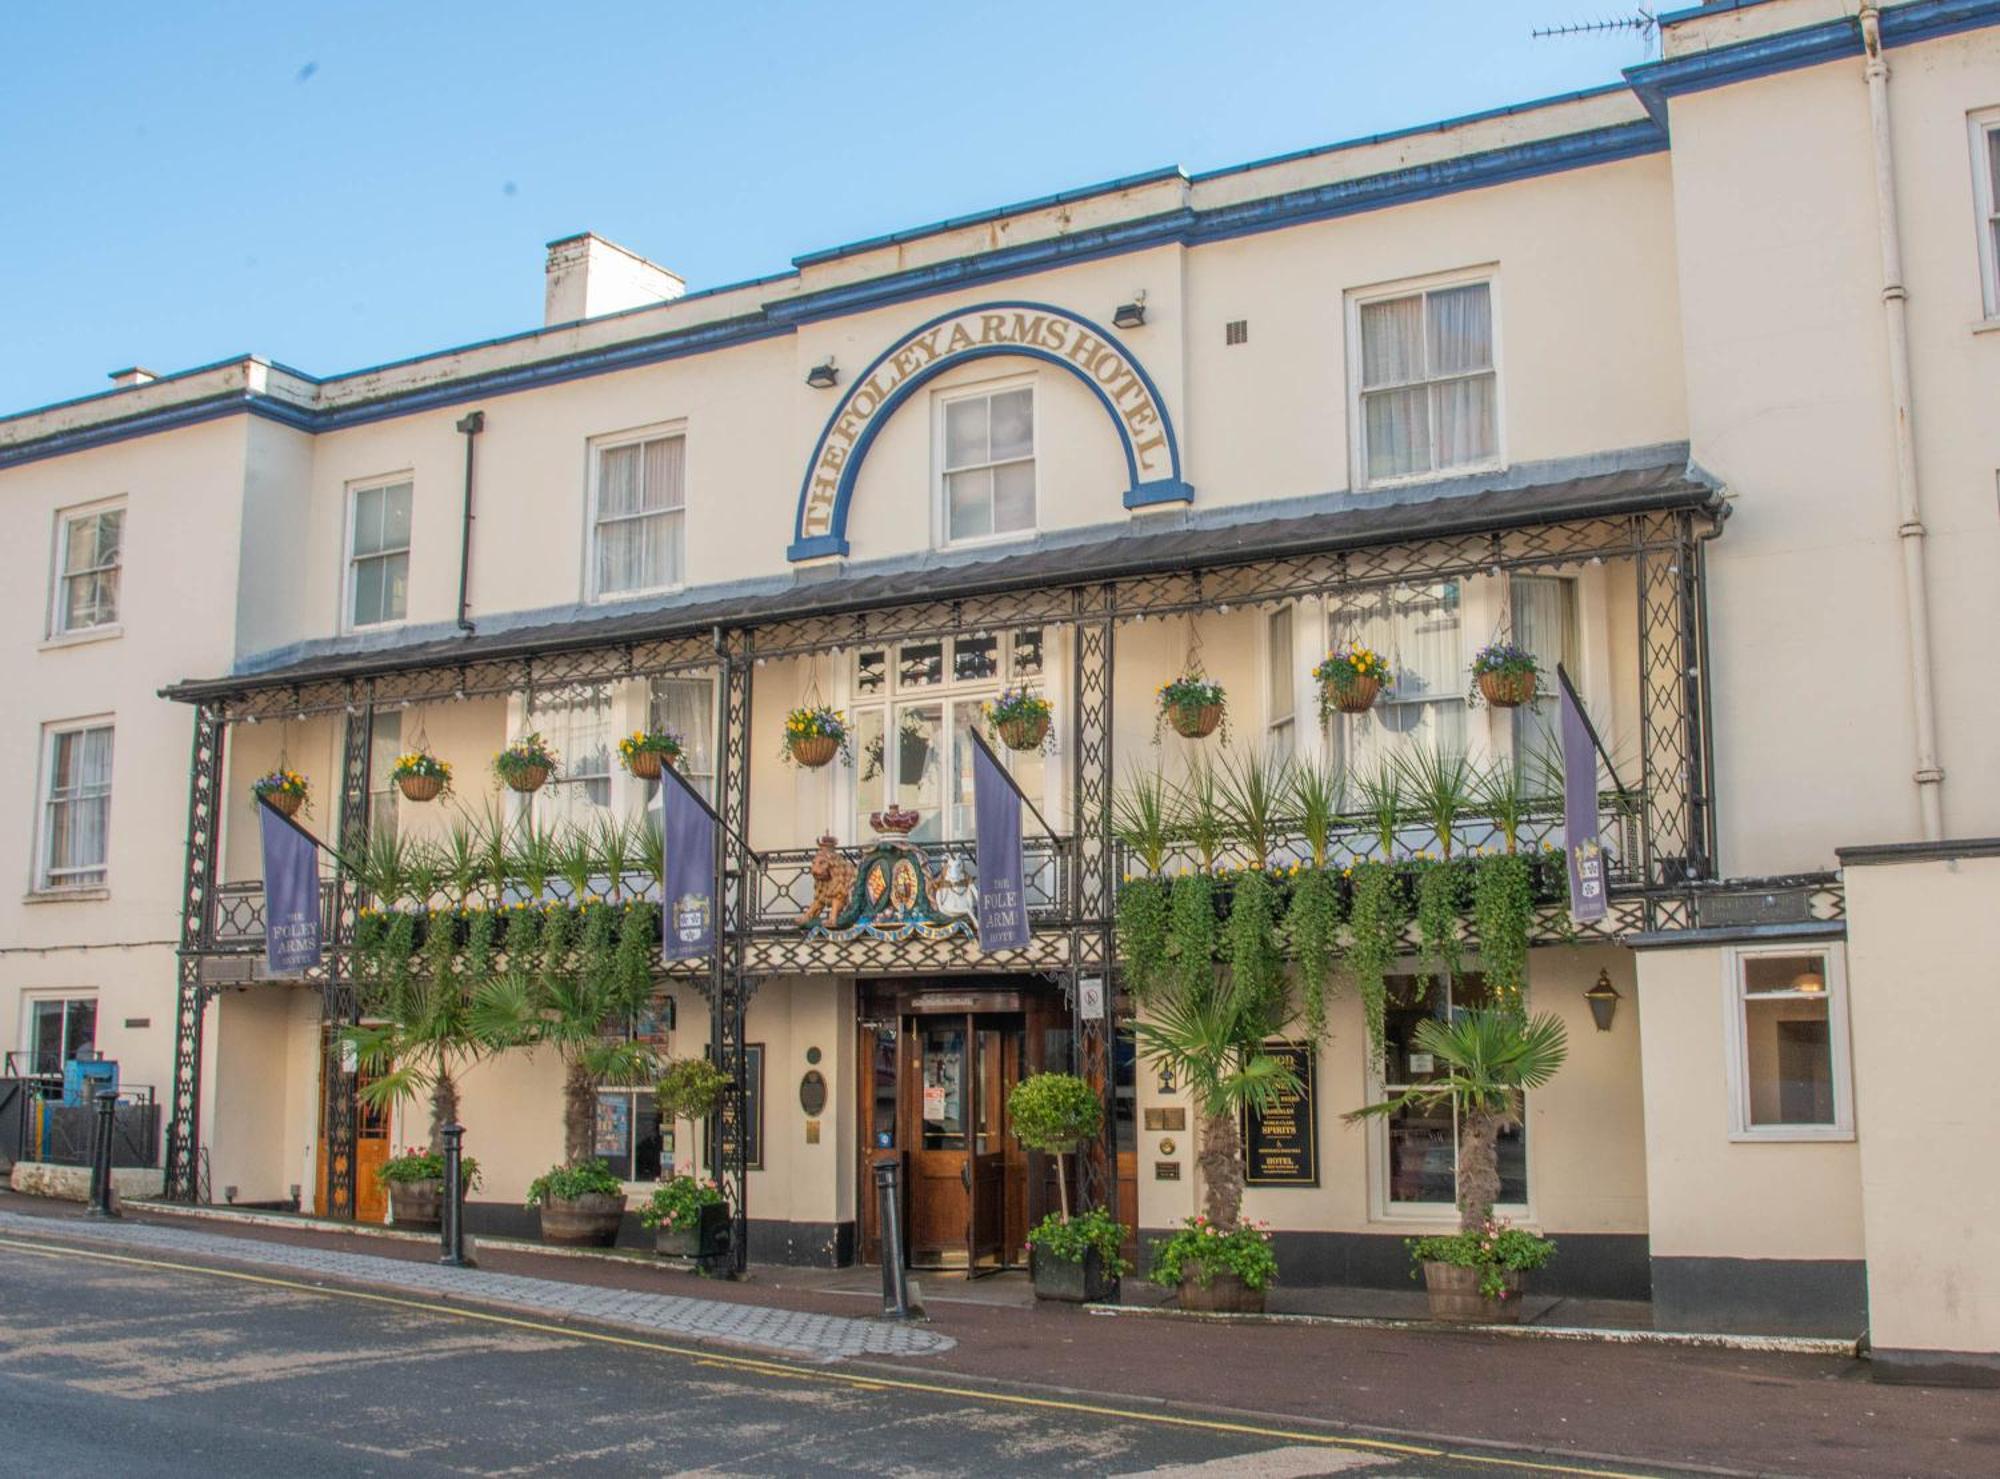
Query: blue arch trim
[(1172, 488)]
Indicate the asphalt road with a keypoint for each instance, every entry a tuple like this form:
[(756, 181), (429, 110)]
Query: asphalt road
[(120, 1367)]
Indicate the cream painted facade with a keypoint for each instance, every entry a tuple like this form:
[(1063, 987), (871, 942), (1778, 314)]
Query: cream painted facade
[(1687, 311)]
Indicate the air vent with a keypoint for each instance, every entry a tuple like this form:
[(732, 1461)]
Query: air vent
[(1236, 331)]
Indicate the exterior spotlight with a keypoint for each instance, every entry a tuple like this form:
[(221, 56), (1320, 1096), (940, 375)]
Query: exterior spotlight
[(1603, 999), (823, 376), (1130, 315)]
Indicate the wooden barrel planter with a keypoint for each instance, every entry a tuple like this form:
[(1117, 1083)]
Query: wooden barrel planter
[(1195, 722), (416, 1203), (1353, 695), (284, 803), (1224, 1293), (1507, 690), (528, 778), (1024, 733), (589, 1221), (420, 787), (1455, 1297), (813, 750)]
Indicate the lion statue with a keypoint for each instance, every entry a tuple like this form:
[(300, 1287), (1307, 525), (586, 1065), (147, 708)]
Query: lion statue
[(833, 882)]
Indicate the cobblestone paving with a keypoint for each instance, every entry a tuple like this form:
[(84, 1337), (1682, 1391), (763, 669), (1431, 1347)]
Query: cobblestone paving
[(787, 1332)]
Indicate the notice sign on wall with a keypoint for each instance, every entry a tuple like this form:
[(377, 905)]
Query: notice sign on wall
[(1279, 1148)]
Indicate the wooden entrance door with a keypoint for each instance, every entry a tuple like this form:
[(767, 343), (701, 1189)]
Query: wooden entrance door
[(938, 1107), (371, 1148), (987, 1154)]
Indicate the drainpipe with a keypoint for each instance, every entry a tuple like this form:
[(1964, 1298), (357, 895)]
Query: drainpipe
[(471, 424), (1910, 524)]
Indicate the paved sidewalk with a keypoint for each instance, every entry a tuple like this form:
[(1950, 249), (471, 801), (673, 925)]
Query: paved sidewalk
[(796, 1333)]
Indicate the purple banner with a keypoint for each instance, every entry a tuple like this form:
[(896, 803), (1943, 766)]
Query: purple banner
[(687, 911), (1003, 905), (1587, 899), (291, 895)]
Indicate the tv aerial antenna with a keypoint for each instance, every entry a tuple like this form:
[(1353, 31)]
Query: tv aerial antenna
[(1641, 23)]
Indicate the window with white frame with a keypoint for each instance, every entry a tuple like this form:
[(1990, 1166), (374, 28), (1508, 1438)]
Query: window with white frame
[(58, 1030), (76, 806), (1789, 1070), (629, 1138), (638, 516), (1425, 381), (577, 723), (1543, 609), (90, 549), (686, 706), (378, 555), (1419, 631), (914, 709), (1281, 706), (1420, 1146), (988, 462), (1986, 193)]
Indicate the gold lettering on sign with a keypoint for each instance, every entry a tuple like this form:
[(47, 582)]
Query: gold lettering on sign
[(1121, 382)]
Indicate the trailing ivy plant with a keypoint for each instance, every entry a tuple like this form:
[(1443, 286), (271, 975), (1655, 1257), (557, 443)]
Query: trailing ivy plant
[(1191, 930), (1503, 907), (1312, 927), (594, 950), (1440, 896), (1143, 918), (1375, 927), (631, 963), (522, 937), (1250, 941)]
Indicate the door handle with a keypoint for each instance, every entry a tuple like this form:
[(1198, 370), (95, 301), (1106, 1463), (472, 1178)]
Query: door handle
[(965, 1173)]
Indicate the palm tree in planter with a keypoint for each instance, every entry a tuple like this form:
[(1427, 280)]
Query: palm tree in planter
[(1075, 1258), (1489, 1060), (421, 1037), (1210, 1030), (582, 1004)]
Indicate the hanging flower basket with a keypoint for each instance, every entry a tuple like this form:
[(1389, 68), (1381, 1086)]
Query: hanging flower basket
[(1020, 716), (1194, 705), (813, 736), (647, 751), (1505, 675), (1350, 679), (421, 776), (527, 763), (284, 790)]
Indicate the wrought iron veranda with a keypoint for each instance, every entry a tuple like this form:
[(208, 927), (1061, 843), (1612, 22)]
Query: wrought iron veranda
[(1666, 845)]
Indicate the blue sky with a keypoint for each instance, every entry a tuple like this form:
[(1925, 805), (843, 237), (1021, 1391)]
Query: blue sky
[(337, 185)]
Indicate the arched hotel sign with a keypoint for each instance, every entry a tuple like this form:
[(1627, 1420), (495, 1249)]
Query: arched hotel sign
[(1035, 330)]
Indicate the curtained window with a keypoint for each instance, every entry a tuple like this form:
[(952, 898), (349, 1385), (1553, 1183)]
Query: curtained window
[(1427, 382), (77, 815), (378, 580), (1545, 622), (91, 555), (989, 464), (577, 723), (1986, 183), (639, 533), (1418, 630), (1283, 703), (687, 707)]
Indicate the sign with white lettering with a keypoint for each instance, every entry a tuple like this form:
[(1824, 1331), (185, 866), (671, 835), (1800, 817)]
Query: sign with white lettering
[(1034, 330)]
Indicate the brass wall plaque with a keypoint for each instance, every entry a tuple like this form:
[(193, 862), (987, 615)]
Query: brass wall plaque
[(812, 1132), (1168, 1146), (1166, 1170), (1167, 1118)]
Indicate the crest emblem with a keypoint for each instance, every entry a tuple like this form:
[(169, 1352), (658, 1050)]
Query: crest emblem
[(691, 916)]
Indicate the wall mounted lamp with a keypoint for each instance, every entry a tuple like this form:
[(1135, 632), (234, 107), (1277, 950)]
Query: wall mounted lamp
[(1603, 998), (1131, 315), (823, 376)]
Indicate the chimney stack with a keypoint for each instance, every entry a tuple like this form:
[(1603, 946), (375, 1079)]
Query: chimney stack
[(589, 276), (127, 378)]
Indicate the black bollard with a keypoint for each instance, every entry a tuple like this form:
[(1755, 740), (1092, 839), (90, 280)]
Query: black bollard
[(895, 1285), (100, 1152), (451, 1228)]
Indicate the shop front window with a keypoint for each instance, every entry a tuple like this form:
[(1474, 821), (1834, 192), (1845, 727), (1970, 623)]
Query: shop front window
[(1789, 1068), (1423, 1144)]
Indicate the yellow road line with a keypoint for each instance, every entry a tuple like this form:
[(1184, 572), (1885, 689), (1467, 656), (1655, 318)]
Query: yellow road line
[(784, 1369)]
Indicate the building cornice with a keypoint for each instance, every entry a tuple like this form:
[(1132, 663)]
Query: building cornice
[(1880, 853)]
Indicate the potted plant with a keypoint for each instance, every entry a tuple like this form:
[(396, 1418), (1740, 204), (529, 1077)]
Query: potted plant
[(1194, 705), (1073, 1258), (813, 736), (421, 776), (690, 1089), (285, 791), (582, 1204), (1487, 1060), (1217, 1270), (689, 1218), (1505, 675), (415, 1179), (527, 763), (1350, 678), (646, 751), (1020, 716)]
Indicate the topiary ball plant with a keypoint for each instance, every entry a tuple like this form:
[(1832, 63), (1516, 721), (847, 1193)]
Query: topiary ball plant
[(1055, 1113)]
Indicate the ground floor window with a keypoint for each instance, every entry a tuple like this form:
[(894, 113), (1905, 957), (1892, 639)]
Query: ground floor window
[(59, 1029), (1422, 1146), (630, 1139), (1789, 1063)]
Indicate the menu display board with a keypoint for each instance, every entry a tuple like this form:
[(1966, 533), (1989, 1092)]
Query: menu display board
[(1280, 1148)]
